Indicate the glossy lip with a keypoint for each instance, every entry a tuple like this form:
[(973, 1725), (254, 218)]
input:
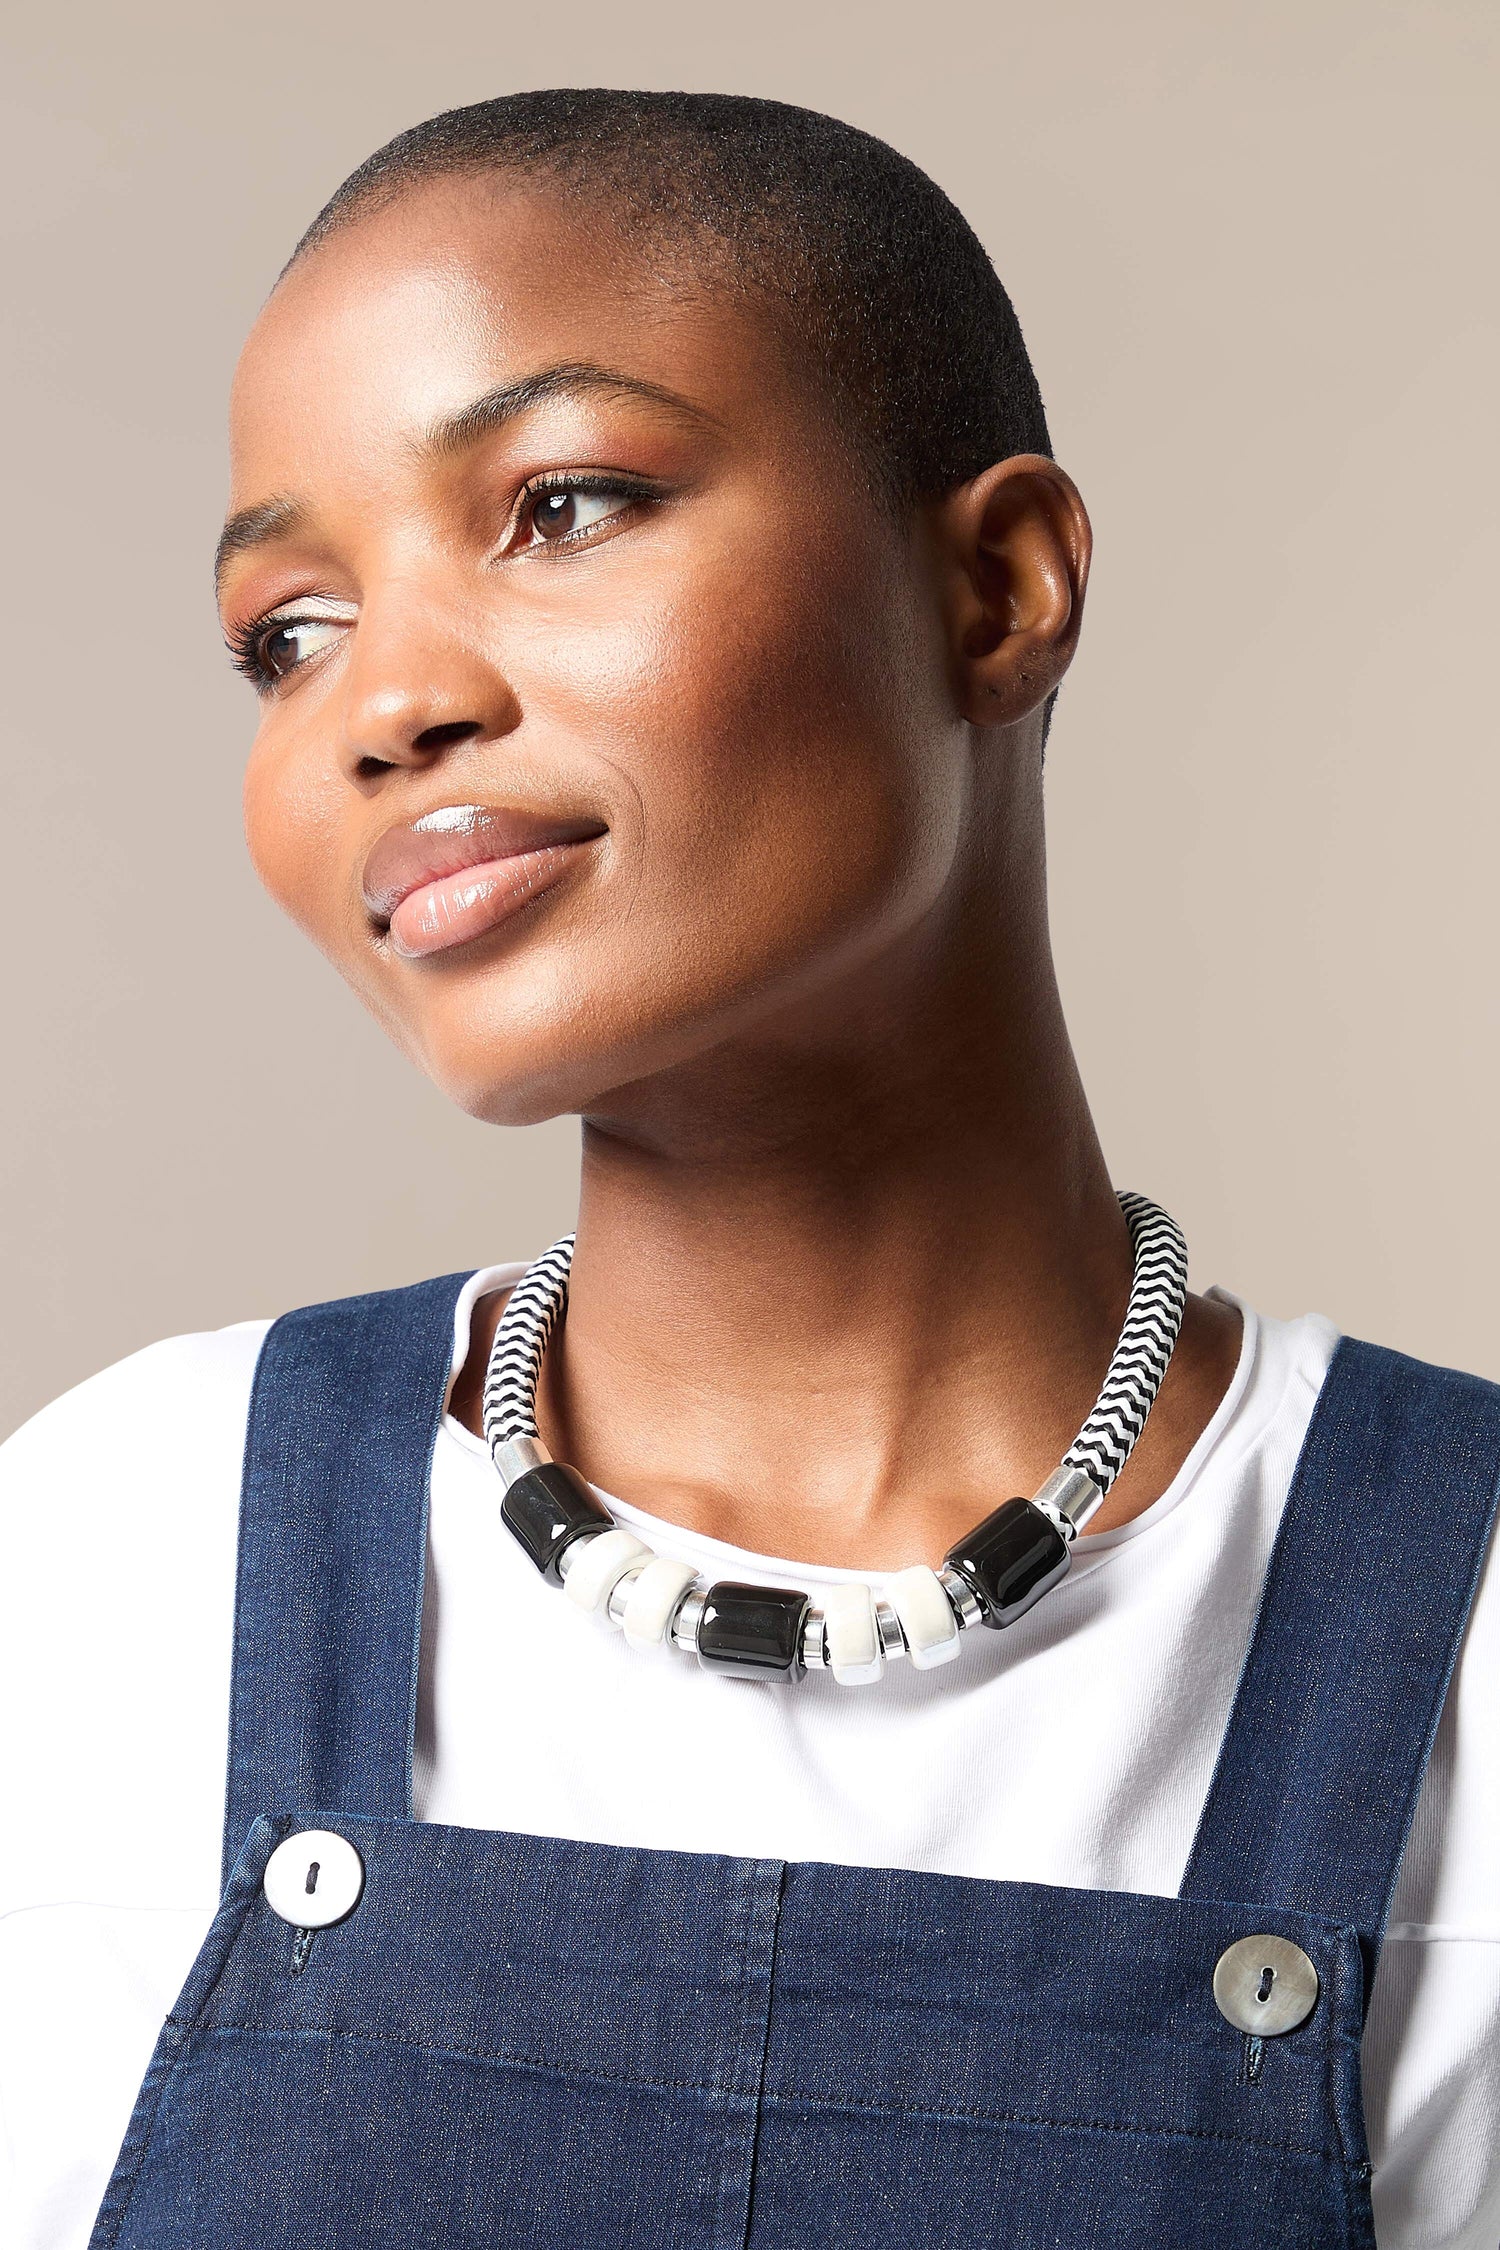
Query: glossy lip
[(459, 871)]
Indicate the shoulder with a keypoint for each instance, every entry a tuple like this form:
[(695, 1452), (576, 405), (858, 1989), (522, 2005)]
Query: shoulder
[(1409, 1452), (136, 1429), (142, 1457), (1435, 2007), (119, 1510), (187, 1399), (1433, 1439), (1428, 1396)]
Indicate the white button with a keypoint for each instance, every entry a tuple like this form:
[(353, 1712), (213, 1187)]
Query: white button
[(1265, 1985), (314, 1878)]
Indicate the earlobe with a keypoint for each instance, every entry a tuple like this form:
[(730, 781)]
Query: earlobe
[(1020, 543)]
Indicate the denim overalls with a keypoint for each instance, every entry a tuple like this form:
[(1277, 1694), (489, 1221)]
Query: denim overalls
[(550, 2045)]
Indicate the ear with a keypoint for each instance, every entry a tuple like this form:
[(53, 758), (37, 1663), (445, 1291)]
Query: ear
[(1017, 545)]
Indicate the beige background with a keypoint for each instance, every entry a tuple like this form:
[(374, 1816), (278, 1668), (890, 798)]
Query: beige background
[(1252, 247)]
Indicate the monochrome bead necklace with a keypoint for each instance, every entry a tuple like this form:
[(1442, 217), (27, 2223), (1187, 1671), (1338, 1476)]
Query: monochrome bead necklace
[(991, 1577)]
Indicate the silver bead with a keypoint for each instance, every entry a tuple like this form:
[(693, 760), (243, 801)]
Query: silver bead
[(892, 1639), (1069, 1497), (685, 1624), (572, 1551), (621, 1595), (814, 1645), (962, 1595), (516, 1457)]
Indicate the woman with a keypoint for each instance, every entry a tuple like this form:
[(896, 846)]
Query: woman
[(897, 1723)]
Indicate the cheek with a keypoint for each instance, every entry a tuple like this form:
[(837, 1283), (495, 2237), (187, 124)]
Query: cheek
[(773, 730), (292, 808)]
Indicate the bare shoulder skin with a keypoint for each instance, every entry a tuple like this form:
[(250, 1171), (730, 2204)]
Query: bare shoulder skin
[(628, 758)]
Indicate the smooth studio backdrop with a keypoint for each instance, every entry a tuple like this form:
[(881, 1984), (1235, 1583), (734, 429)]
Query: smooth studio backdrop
[(1252, 249)]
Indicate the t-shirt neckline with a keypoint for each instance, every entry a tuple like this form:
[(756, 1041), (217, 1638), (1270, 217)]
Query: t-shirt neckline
[(726, 1560)]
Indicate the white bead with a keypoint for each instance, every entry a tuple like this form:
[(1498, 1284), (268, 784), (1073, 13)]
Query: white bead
[(928, 1624), (314, 1878), (598, 1565), (654, 1597), (852, 1634)]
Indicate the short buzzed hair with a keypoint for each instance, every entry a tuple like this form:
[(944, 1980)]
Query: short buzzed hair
[(875, 280)]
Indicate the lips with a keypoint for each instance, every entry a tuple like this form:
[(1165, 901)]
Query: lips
[(462, 870)]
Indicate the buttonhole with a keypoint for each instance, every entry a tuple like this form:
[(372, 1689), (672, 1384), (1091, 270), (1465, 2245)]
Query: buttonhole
[(1267, 1976), (312, 1884), (301, 1947)]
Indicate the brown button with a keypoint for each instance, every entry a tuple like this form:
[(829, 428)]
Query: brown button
[(1265, 1985)]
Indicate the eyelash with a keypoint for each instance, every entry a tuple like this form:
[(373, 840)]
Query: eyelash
[(558, 480), (245, 642)]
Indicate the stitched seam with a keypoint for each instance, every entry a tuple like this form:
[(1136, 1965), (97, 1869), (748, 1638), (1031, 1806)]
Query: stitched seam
[(231, 1845), (785, 2096), (1435, 1715), (186, 2025), (765, 2054), (484, 2054), (1339, 2059), (1062, 2124)]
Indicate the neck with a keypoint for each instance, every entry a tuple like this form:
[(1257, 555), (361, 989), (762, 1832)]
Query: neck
[(839, 1292)]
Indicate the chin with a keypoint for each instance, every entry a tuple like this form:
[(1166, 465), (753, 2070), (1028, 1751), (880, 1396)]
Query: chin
[(518, 1040), (508, 1081), (505, 1071), (523, 1076), (504, 1048), (512, 1102)]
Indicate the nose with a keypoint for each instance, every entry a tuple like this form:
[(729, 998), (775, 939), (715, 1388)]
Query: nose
[(419, 683)]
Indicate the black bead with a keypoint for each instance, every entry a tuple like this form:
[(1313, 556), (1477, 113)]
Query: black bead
[(754, 1630), (1010, 1560), (548, 1509)]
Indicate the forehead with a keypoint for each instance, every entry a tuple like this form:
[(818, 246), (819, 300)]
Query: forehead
[(401, 318)]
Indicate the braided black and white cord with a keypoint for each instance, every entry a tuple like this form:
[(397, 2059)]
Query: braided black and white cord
[(536, 1305), (992, 1577), (1153, 1317)]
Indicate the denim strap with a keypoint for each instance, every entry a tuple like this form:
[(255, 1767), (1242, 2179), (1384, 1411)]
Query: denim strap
[(332, 1558), (1369, 1587)]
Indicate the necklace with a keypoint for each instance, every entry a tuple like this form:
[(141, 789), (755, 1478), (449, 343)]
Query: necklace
[(991, 1577)]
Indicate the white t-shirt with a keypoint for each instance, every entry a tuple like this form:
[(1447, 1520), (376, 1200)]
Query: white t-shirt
[(118, 1510)]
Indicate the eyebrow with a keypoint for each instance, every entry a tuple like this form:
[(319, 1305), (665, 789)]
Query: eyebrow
[(569, 378), (252, 527), (455, 433)]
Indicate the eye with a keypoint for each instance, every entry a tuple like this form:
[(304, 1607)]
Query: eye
[(292, 640), (271, 648), (566, 512)]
